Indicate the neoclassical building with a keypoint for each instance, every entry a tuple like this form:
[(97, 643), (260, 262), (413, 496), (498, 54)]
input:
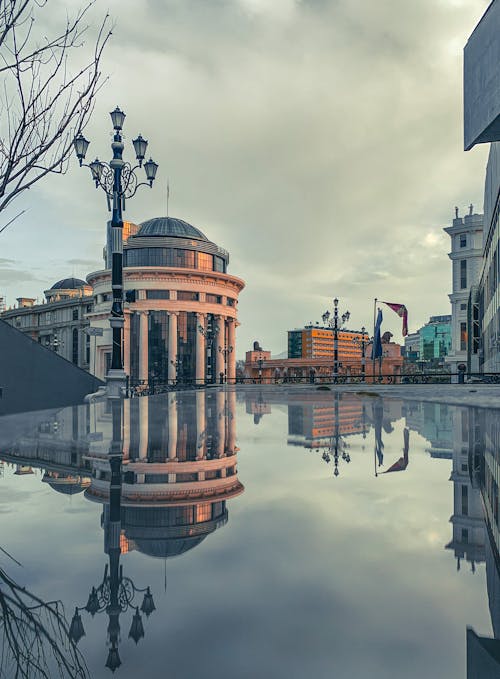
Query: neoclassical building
[(180, 307)]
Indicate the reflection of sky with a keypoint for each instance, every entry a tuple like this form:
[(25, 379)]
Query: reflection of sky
[(312, 575)]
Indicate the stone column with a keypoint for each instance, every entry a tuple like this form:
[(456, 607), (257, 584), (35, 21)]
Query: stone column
[(172, 347), (200, 349), (126, 344), (221, 423), (231, 425), (231, 356), (219, 347), (200, 425), (172, 427), (143, 428), (143, 345)]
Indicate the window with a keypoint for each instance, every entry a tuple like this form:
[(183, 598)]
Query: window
[(213, 299), (157, 294), (463, 336), (205, 262), (463, 240), (463, 273), (75, 314), (230, 301), (463, 307), (187, 296), (465, 501), (89, 308)]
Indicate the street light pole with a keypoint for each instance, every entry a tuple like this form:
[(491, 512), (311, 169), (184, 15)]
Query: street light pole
[(119, 181), (334, 324)]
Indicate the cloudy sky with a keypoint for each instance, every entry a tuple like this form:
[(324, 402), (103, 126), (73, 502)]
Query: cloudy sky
[(319, 141)]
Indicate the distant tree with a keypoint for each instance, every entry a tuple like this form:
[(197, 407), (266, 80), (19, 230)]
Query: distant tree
[(44, 100)]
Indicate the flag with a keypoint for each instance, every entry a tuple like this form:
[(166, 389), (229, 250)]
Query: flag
[(378, 416), (377, 342), (402, 312)]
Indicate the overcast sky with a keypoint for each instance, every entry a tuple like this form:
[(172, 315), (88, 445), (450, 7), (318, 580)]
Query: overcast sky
[(319, 141)]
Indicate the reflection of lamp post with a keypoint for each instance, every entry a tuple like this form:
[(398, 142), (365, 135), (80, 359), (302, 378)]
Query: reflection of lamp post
[(337, 445), (334, 324), (116, 593), (119, 181), (177, 363), (260, 362)]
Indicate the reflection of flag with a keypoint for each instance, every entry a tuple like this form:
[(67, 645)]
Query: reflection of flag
[(377, 342), (378, 416), (402, 312), (402, 463)]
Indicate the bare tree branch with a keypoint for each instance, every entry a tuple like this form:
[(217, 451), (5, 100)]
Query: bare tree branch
[(44, 104)]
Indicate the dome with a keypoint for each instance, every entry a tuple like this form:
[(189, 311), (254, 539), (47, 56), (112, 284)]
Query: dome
[(69, 284), (169, 226), (167, 548)]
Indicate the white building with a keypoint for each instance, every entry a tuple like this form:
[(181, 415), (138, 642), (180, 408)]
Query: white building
[(466, 234)]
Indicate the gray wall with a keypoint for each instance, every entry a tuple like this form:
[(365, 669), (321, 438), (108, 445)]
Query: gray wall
[(482, 80), (35, 378)]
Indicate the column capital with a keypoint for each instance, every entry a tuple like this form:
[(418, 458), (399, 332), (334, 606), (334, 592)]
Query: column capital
[(142, 312), (172, 313), (201, 315)]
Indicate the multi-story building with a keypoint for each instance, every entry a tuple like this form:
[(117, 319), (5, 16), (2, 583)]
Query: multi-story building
[(466, 235), (317, 342), (435, 340), (60, 322), (180, 306), (412, 347)]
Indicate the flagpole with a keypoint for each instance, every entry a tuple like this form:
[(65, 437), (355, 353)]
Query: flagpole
[(168, 193), (373, 344)]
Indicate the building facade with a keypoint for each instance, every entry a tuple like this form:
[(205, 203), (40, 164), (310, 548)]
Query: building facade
[(435, 340), (466, 236), (180, 307), (318, 342), (60, 322)]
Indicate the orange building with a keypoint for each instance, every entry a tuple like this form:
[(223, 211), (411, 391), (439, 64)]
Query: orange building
[(317, 342)]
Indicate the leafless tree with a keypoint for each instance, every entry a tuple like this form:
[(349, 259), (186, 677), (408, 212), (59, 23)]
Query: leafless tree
[(45, 100), (34, 637)]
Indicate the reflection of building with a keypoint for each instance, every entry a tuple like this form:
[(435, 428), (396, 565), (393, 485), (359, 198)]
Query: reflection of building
[(181, 306), (433, 421), (58, 324), (466, 234), (179, 469)]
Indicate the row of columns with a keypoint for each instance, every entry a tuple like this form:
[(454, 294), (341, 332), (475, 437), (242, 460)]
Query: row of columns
[(225, 350)]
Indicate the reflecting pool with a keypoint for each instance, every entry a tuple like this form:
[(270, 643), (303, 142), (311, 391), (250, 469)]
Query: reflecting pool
[(251, 533)]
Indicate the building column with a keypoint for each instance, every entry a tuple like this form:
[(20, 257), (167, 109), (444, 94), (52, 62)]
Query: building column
[(200, 425), (231, 415), (200, 349), (172, 347), (221, 423), (231, 346), (143, 346), (172, 428), (126, 344), (220, 345), (143, 428)]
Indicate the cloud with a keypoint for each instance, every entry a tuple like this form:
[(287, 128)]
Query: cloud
[(318, 141)]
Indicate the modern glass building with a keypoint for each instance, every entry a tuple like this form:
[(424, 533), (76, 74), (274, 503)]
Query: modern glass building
[(180, 306), (435, 340)]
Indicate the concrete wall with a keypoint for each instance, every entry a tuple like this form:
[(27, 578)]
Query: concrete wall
[(482, 80), (35, 378)]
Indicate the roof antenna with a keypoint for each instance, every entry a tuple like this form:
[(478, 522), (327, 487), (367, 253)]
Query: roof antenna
[(471, 207), (168, 193)]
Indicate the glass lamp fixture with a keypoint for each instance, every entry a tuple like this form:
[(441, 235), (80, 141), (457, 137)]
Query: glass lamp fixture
[(76, 631), (81, 145), (140, 146), (117, 118), (113, 661), (96, 168), (150, 168), (148, 605), (137, 628)]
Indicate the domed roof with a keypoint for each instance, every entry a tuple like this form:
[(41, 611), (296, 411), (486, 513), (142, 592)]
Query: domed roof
[(167, 548), (170, 226), (69, 284)]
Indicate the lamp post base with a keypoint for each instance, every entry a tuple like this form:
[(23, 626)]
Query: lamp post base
[(116, 384)]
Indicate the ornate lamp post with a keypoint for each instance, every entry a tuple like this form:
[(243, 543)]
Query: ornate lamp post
[(225, 351), (210, 335), (337, 446), (334, 324), (119, 181), (363, 343)]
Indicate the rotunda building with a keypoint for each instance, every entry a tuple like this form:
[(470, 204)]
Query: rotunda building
[(180, 307)]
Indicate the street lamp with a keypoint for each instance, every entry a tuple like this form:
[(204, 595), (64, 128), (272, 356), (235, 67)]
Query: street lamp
[(334, 324), (119, 181), (225, 351), (210, 334), (260, 361), (363, 342), (337, 446)]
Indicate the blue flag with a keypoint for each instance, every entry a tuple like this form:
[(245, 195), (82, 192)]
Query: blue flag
[(377, 342)]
